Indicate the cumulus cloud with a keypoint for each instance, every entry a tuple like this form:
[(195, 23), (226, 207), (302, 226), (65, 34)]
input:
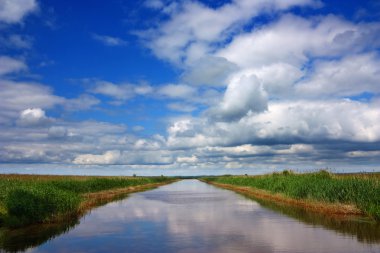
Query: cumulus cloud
[(349, 76), (10, 65), (278, 79), (193, 27), (33, 117), (18, 96), (109, 157), (266, 99), (145, 144), (212, 71), (13, 11), (278, 93), (242, 96), (284, 123), (280, 41), (61, 141)]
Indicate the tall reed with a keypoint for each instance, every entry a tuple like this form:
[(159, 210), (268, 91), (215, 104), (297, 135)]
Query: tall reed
[(362, 191), (32, 199)]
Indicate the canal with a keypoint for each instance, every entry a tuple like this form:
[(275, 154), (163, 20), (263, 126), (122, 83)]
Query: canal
[(192, 216)]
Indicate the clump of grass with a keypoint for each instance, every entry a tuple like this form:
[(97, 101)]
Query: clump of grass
[(363, 192), (38, 204), (32, 199)]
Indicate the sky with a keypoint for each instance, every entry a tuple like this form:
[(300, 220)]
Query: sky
[(159, 87)]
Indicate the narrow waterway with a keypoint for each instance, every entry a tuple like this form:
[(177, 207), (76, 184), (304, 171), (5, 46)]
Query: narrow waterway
[(191, 216)]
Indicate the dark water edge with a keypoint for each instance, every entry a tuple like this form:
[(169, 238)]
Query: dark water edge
[(21, 239), (184, 199), (363, 229)]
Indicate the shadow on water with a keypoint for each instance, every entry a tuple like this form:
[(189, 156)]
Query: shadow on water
[(13, 240), (363, 229), (21, 239)]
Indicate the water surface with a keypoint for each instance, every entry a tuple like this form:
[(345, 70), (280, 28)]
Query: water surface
[(191, 216)]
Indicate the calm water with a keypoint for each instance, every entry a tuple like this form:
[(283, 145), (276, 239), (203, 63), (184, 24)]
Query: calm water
[(191, 216)]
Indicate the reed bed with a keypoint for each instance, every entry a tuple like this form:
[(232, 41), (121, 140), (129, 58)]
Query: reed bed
[(34, 199), (361, 190)]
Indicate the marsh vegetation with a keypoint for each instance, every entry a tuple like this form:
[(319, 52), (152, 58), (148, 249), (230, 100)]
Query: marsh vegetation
[(27, 200), (360, 190)]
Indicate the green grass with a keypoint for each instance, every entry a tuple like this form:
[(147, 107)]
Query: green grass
[(32, 199), (360, 190)]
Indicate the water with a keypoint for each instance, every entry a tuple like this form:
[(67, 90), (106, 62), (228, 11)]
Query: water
[(191, 216)]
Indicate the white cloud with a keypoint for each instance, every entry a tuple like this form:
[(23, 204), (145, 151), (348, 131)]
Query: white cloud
[(193, 27), (242, 96), (349, 76), (284, 122), (109, 40), (143, 89), (58, 132), (83, 102), (18, 96), (278, 79), (247, 151), (187, 159), (363, 153), (33, 117), (297, 149), (156, 157), (212, 71), (280, 41), (109, 157), (131, 158), (177, 91), (181, 107), (270, 96), (146, 144), (13, 11), (316, 121), (121, 92), (10, 65)]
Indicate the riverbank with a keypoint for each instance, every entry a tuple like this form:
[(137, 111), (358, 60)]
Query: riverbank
[(321, 192), (30, 199)]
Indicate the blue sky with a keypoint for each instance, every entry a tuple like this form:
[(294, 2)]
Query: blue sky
[(189, 87)]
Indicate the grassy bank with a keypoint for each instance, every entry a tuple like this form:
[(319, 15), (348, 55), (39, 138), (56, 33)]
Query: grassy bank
[(37, 199), (319, 191)]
